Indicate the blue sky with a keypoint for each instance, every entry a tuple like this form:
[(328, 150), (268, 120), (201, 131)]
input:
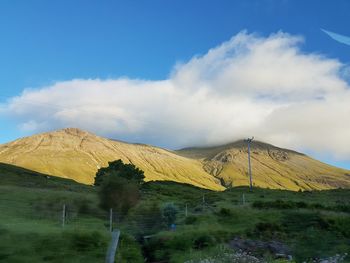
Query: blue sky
[(45, 42)]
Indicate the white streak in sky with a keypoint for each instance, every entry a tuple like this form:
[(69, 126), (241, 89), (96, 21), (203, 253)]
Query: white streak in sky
[(340, 38)]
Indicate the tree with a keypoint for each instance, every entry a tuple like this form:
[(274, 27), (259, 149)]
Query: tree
[(119, 185), (119, 194), (118, 168)]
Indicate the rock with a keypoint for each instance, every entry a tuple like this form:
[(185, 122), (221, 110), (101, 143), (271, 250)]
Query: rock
[(278, 249)]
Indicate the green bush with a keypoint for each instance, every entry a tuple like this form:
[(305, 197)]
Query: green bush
[(301, 204), (277, 204), (85, 241), (146, 218), (341, 225), (342, 208), (129, 250), (225, 212), (300, 221), (190, 220), (169, 212), (317, 206), (267, 230), (180, 242), (203, 240)]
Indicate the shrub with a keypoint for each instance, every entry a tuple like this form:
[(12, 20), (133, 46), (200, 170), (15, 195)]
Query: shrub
[(300, 221), (169, 213), (190, 220), (180, 242), (341, 225), (301, 204), (317, 206), (147, 217), (129, 250), (342, 208), (203, 241), (85, 241), (225, 212), (267, 230), (279, 204)]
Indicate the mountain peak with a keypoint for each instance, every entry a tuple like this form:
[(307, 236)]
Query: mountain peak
[(74, 131)]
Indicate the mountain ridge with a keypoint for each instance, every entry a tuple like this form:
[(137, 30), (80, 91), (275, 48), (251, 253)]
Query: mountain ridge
[(76, 154), (236, 144)]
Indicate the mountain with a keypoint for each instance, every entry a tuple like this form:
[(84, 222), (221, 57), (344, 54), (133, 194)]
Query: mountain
[(272, 167), (75, 154)]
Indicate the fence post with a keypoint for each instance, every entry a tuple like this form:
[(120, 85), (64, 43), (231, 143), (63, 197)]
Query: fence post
[(243, 199), (112, 249), (186, 211), (110, 219), (203, 201), (63, 215)]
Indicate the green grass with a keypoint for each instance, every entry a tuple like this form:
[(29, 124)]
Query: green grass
[(312, 224), (31, 219)]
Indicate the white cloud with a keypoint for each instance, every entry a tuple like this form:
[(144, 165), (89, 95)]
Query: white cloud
[(249, 85)]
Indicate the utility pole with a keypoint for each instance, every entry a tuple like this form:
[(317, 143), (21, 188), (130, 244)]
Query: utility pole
[(249, 141)]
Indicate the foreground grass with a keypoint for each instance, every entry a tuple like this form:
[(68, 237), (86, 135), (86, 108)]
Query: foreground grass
[(31, 219), (312, 224), (31, 230)]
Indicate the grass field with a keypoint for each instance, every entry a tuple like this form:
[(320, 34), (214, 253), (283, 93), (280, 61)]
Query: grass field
[(311, 224)]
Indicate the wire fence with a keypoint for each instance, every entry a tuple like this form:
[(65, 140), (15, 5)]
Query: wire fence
[(72, 214)]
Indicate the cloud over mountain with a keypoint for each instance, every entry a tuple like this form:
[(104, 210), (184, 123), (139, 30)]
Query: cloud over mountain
[(249, 85)]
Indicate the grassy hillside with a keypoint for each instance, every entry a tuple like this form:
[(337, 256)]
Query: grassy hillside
[(75, 154), (18, 176), (311, 224), (30, 219)]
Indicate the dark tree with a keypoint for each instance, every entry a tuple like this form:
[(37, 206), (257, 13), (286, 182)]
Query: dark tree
[(118, 193), (118, 168), (119, 185)]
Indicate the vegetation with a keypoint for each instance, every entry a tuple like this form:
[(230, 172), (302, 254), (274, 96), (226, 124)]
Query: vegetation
[(307, 225), (119, 169), (169, 213), (119, 186)]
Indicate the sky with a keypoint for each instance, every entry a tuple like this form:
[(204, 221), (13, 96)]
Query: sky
[(179, 73)]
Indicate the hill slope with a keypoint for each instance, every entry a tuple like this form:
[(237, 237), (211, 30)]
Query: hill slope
[(272, 167), (76, 154)]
